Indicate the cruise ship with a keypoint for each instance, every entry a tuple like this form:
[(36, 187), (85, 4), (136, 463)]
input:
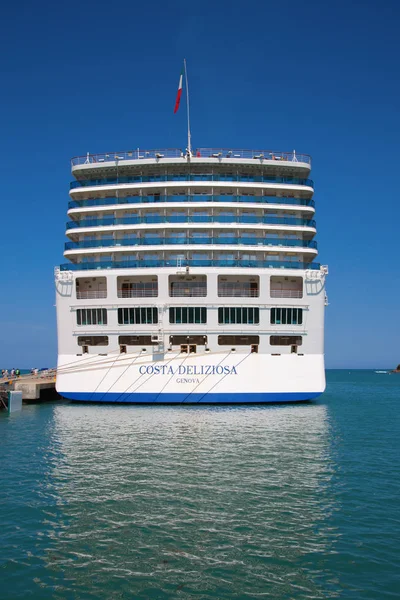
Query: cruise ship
[(191, 278)]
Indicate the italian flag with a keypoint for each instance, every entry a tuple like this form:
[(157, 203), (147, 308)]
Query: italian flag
[(179, 94)]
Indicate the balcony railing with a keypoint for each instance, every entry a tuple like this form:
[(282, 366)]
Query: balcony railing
[(211, 177), (286, 293), (245, 241), (149, 293), (250, 219), (241, 292), (160, 153), (198, 198), (198, 292), (91, 294), (159, 263)]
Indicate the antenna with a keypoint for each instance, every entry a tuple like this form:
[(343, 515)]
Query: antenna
[(189, 148)]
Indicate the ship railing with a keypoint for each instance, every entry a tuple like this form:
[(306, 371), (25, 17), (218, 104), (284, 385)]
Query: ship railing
[(136, 154), (188, 293), (208, 177), (267, 220), (221, 153), (286, 293), (218, 153), (238, 293), (150, 293), (172, 263), (198, 198), (91, 294), (237, 241)]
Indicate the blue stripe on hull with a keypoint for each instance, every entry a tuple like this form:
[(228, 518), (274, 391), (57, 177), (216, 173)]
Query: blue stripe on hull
[(157, 398)]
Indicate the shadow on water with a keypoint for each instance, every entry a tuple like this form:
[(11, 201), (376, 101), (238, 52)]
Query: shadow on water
[(195, 404)]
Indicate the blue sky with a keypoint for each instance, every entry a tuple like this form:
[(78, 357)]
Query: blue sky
[(318, 77)]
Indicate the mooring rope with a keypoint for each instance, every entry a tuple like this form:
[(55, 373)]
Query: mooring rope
[(135, 357), (106, 373), (203, 380), (173, 374), (143, 382), (218, 382)]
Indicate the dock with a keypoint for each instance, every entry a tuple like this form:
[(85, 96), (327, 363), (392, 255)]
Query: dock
[(33, 387)]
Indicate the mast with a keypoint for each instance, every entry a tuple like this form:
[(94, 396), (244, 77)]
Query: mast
[(189, 146)]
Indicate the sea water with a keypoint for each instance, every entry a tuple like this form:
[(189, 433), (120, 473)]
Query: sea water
[(281, 502)]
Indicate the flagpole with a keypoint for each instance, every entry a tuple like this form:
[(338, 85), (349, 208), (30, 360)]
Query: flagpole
[(188, 111)]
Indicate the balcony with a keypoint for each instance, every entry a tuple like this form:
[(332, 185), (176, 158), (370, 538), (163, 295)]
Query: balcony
[(160, 153), (238, 286), (91, 288), (188, 286), (137, 287), (172, 264), (136, 220), (199, 198), (286, 287), (172, 241), (209, 177)]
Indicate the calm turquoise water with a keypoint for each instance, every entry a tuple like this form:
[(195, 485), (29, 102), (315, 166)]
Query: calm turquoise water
[(277, 502)]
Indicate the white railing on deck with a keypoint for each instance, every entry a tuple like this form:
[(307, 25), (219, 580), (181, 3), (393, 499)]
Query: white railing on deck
[(91, 294), (238, 293), (219, 153), (286, 294), (241, 153), (188, 293), (137, 154), (137, 293)]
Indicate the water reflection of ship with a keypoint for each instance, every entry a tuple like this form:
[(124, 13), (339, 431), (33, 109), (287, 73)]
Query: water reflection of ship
[(234, 487)]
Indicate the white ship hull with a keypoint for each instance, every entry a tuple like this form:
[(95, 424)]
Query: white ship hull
[(211, 379)]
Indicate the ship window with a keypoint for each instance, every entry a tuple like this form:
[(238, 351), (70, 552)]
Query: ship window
[(177, 340), (187, 314), (91, 316), (138, 315), (238, 340), (135, 340), (286, 340), (286, 316), (93, 340), (232, 315)]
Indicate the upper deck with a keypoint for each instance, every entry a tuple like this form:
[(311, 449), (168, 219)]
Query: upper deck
[(213, 207), (277, 162)]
